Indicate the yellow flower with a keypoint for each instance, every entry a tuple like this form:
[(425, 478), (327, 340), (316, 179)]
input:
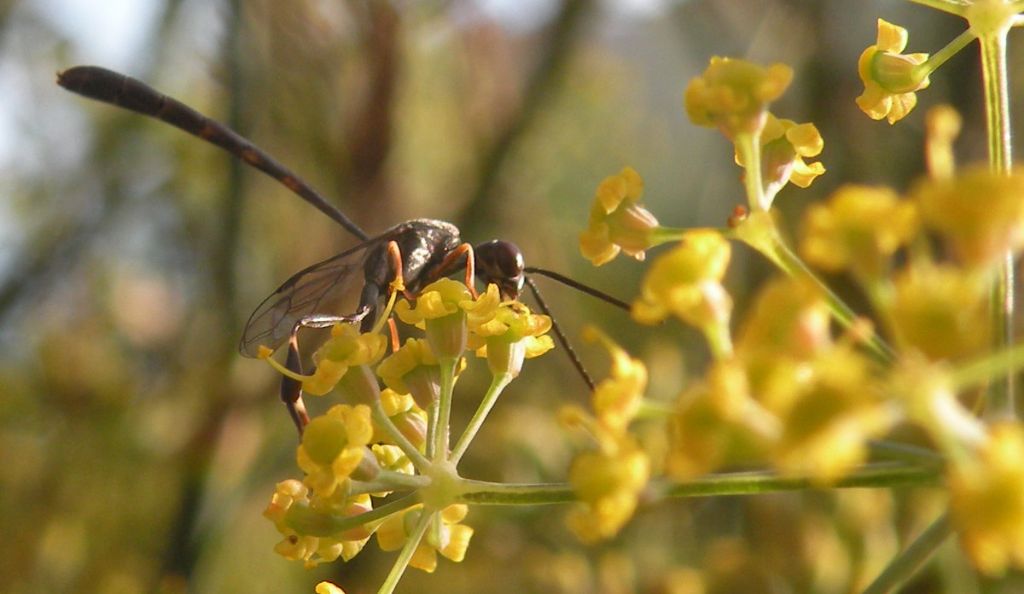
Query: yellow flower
[(452, 536), (942, 124), (987, 500), (788, 318), (510, 335), (829, 417), (859, 228), (617, 399), (608, 483), (617, 220), (979, 212), (940, 311), (328, 588), (890, 78), (733, 95), (413, 369), (333, 446), (441, 311), (703, 435), (409, 418), (439, 299), (312, 549), (784, 145), (344, 349), (686, 282)]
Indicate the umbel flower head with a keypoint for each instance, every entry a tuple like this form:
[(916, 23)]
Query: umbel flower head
[(890, 77), (618, 222), (733, 95)]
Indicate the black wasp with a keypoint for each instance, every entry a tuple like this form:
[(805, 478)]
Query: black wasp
[(324, 293)]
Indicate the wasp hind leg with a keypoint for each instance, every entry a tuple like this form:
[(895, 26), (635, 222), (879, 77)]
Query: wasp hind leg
[(291, 389)]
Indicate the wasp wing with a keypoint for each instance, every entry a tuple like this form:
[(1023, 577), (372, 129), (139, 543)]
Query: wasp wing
[(331, 287)]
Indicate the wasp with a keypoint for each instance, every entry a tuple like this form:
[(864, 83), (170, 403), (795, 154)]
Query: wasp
[(418, 251)]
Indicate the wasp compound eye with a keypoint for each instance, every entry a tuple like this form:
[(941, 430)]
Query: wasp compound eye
[(501, 263)]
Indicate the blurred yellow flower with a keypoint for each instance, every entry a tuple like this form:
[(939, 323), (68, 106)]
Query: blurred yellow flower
[(608, 483), (708, 431), (686, 282), (733, 95), (987, 500), (890, 78), (940, 311), (859, 228), (979, 212), (617, 399), (617, 220), (829, 418), (788, 317), (328, 588)]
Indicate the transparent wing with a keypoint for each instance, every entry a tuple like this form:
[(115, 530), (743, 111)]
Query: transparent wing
[(331, 287)]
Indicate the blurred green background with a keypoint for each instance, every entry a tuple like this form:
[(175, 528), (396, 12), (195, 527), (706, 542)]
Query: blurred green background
[(137, 448)]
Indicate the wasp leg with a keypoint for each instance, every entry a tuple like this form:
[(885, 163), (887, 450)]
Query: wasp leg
[(291, 389), (453, 261)]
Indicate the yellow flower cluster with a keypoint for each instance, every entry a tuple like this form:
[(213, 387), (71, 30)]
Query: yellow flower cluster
[(733, 95), (790, 395), (361, 449), (608, 481)]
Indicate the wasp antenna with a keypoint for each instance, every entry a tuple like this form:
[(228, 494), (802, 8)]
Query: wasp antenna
[(578, 286), (128, 93), (560, 335)]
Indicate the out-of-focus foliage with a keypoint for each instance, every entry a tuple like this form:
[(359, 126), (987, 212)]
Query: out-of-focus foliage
[(137, 448)]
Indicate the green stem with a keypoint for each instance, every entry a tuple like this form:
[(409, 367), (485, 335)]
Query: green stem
[(734, 483), (498, 383), (381, 419), (749, 148), (444, 408), (904, 452), (794, 266), (980, 372), (313, 523), (997, 119), (389, 481), (405, 556), (948, 6), (952, 48), (908, 562)]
